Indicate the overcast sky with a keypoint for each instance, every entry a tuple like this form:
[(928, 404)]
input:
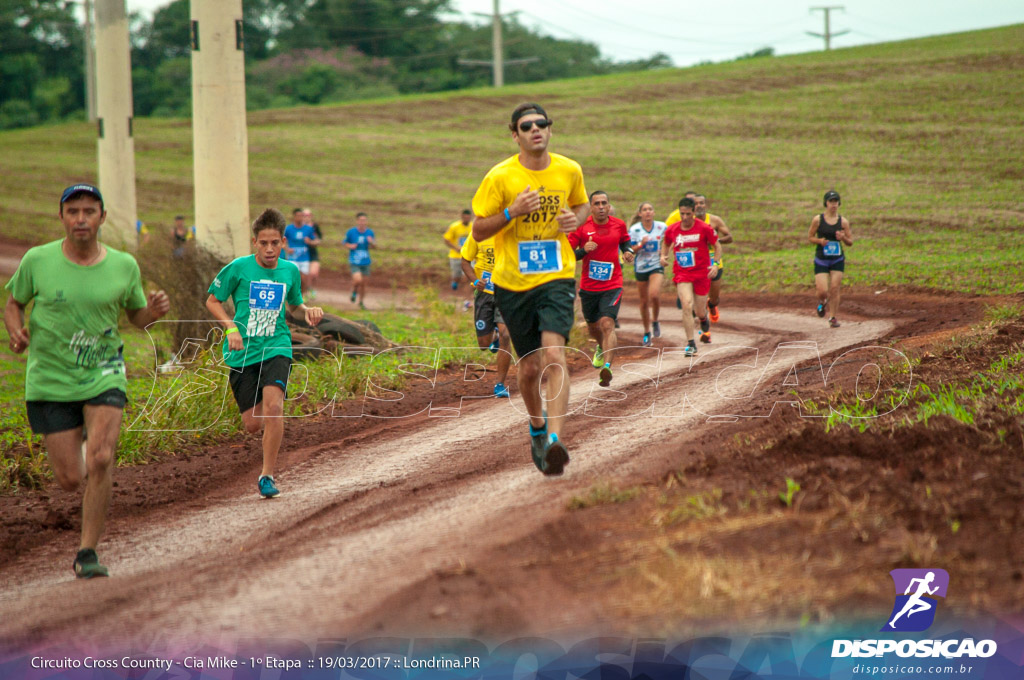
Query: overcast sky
[(690, 31)]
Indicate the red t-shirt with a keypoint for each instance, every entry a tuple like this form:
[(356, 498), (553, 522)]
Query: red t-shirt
[(691, 259), (601, 268)]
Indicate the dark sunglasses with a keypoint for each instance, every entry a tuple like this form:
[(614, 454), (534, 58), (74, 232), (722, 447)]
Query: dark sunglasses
[(541, 124)]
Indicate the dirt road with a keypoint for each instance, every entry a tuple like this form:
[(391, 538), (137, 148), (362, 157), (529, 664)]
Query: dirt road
[(357, 523)]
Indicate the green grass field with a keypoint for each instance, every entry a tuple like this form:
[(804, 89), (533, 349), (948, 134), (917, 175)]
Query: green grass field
[(175, 412), (922, 138)]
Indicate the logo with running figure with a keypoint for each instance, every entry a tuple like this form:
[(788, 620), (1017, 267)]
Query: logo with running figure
[(917, 591)]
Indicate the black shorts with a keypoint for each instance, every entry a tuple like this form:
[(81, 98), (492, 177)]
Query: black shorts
[(718, 276), (600, 303), (314, 254), (247, 384), (485, 313), (824, 266), (47, 417), (646, 276), (548, 307)]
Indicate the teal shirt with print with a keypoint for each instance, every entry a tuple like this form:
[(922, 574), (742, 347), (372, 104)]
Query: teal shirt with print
[(75, 350), (259, 295)]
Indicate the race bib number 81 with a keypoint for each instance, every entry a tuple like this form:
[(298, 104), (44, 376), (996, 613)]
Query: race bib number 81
[(539, 257)]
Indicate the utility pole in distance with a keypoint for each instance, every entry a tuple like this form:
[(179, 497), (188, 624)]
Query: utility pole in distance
[(828, 34), (90, 64), (497, 62)]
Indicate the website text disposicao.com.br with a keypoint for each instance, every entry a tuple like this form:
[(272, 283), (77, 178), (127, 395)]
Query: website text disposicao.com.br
[(903, 670)]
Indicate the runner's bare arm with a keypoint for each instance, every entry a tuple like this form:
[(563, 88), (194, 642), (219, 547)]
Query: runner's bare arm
[(216, 308), (570, 218), (157, 304), (467, 269), (451, 246), (313, 315), (486, 226), (724, 235), (14, 320), (846, 235), (718, 258), (812, 234)]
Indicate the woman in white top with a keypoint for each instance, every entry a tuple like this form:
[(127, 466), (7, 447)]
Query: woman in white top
[(646, 234)]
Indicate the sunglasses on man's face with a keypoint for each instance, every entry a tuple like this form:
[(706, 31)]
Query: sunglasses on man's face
[(541, 123)]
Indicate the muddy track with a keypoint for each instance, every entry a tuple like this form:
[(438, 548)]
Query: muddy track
[(361, 519), (372, 507)]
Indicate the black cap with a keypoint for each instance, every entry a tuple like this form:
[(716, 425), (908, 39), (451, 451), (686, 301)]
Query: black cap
[(526, 109), (829, 196), (81, 189)]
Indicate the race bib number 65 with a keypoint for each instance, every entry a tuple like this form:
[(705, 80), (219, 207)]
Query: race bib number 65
[(266, 295)]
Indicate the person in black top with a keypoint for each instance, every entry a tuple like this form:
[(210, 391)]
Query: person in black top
[(831, 233)]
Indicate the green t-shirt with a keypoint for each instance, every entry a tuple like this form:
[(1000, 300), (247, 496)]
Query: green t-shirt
[(259, 295), (74, 350)]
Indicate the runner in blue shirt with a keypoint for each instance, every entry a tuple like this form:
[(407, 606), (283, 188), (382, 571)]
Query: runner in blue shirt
[(359, 239), (300, 236)]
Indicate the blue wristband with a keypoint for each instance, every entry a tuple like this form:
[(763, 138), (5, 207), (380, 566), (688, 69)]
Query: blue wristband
[(508, 215)]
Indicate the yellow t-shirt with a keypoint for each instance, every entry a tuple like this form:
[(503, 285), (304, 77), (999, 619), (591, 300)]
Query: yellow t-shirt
[(674, 217), (457, 233), (483, 254), (560, 186)]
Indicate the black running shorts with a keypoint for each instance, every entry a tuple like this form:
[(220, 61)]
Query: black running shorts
[(47, 417), (247, 384), (600, 303), (548, 307), (824, 266), (643, 277), (485, 313)]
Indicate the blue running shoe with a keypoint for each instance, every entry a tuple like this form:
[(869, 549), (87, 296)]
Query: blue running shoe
[(494, 346), (647, 340), (501, 391), (267, 488), (87, 564), (352, 297), (556, 456), (690, 349), (455, 285), (538, 441), (821, 309)]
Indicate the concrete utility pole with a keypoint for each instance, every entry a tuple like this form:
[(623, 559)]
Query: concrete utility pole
[(90, 64), (220, 145), (497, 62), (114, 110), (828, 34)]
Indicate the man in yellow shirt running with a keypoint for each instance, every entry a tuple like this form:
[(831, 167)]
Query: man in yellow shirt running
[(491, 332), (454, 238), (528, 203)]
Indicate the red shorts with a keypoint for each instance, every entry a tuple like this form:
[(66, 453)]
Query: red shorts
[(701, 286)]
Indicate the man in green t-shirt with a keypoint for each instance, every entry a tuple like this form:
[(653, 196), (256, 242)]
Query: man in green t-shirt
[(257, 342), (75, 374)]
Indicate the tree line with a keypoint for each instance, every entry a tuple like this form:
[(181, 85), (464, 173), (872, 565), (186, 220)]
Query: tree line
[(297, 52)]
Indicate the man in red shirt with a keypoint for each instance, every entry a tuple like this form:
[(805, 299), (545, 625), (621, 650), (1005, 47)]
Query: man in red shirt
[(597, 243), (687, 241)]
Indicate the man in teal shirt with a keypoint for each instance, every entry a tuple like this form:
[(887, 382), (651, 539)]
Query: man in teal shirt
[(257, 342), (75, 374)]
